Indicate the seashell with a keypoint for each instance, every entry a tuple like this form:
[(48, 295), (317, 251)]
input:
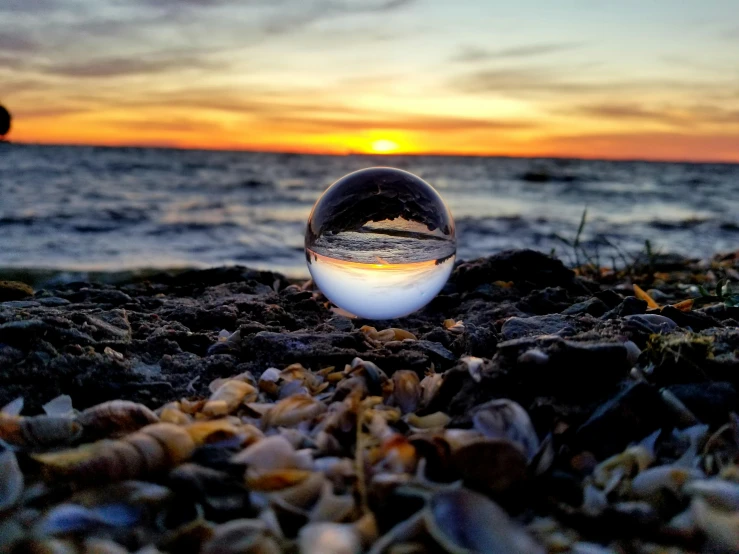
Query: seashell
[(465, 521), (14, 407), (336, 469), (153, 448), (594, 501), (721, 528), (270, 453), (456, 327), (191, 407), (506, 419), (374, 376), (490, 465), (695, 436), (135, 493), (292, 410), (533, 356), (632, 352), (590, 548), (436, 420), (654, 480), (239, 536), (101, 546), (46, 546), (115, 418), (174, 415), (71, 518), (59, 406), (430, 385), (108, 351), (402, 334), (228, 397), (268, 381), (296, 372), (302, 495), (683, 416), (717, 492), (396, 454), (406, 392), (331, 507), (277, 479), (217, 430), (38, 431), (329, 538), (221, 495), (474, 366), (631, 461), (227, 342), (11, 480)]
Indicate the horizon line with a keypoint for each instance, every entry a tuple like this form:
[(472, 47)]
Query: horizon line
[(543, 156)]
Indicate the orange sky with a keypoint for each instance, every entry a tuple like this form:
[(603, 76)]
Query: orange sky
[(594, 79)]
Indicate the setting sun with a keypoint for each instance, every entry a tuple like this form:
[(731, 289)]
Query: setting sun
[(384, 146)]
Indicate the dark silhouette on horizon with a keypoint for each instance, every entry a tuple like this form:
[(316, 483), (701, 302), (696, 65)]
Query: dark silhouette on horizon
[(4, 122)]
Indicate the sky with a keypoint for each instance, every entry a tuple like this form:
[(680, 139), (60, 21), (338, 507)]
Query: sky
[(648, 79)]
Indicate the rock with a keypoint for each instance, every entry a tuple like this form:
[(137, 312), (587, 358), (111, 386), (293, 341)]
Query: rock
[(592, 306), (527, 269), (20, 304), (630, 416), (14, 290), (709, 402), (550, 300), (653, 323), (341, 323), (695, 320), (518, 327), (629, 306)]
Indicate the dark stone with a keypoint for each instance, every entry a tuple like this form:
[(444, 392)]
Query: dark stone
[(630, 306), (528, 269), (14, 290), (697, 321), (710, 402), (609, 297), (551, 300), (631, 415), (592, 306), (518, 327)]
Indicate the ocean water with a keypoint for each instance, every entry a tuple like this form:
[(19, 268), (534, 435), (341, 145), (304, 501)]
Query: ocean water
[(114, 209)]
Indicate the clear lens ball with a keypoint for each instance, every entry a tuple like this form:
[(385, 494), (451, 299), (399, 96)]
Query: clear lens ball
[(380, 243)]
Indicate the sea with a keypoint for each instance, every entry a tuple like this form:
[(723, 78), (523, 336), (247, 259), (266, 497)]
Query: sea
[(70, 211)]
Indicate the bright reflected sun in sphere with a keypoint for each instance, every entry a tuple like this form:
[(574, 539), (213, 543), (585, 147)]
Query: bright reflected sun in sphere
[(384, 146)]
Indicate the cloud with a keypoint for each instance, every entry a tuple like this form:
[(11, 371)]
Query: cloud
[(400, 122), (666, 146), (469, 54), (116, 67), (523, 80), (297, 14), (676, 115), (26, 6), (16, 42)]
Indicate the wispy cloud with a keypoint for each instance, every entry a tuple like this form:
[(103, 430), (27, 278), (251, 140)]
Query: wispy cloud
[(115, 67), (16, 42), (685, 115), (469, 54)]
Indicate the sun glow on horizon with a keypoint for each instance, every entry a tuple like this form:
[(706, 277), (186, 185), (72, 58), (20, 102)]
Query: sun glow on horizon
[(384, 146)]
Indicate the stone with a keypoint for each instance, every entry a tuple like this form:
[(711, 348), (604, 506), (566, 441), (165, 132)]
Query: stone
[(631, 415), (14, 290)]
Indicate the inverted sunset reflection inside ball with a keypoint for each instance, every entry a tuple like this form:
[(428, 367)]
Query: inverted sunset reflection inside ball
[(380, 243)]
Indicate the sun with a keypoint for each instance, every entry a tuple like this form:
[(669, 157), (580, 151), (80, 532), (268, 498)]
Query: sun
[(384, 146)]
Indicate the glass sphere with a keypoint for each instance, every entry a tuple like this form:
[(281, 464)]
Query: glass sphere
[(380, 243)]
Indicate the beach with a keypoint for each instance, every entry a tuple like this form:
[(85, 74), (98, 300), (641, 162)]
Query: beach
[(598, 415)]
